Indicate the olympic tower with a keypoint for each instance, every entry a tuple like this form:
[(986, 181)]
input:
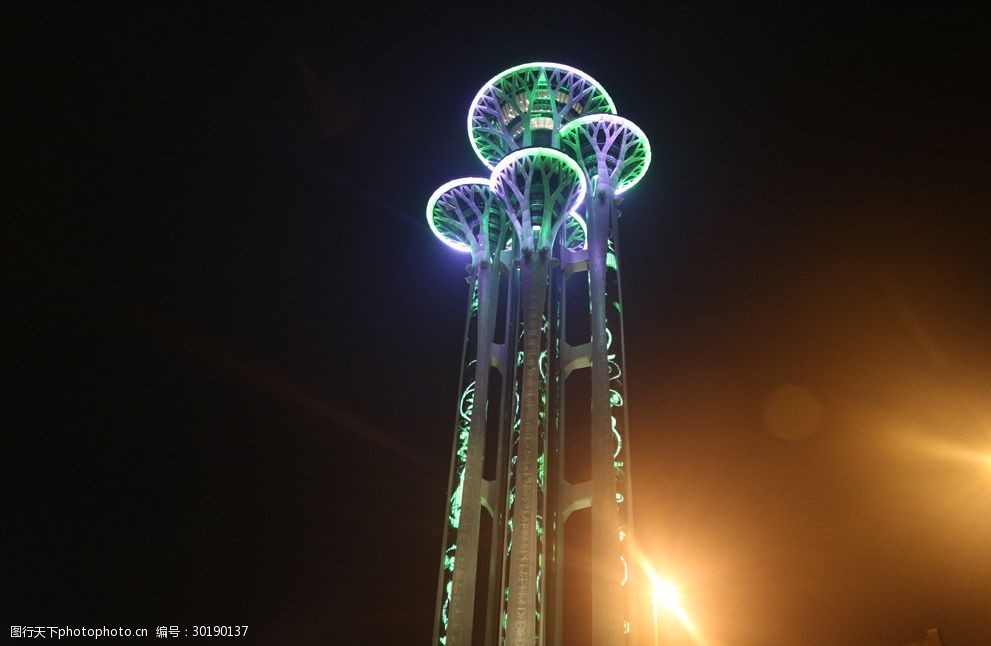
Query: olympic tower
[(559, 158)]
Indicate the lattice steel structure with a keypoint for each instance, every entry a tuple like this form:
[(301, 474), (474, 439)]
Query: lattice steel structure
[(559, 158)]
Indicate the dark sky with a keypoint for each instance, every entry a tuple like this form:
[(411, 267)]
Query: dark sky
[(233, 342)]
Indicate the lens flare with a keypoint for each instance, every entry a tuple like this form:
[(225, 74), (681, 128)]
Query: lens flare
[(933, 447), (666, 597), (666, 601)]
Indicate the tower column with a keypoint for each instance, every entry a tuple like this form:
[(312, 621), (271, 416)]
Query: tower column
[(507, 421), (607, 615), (461, 610), (466, 215), (521, 607)]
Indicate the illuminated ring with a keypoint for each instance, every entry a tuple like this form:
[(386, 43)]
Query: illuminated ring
[(500, 118), (521, 177), (610, 145), (457, 211)]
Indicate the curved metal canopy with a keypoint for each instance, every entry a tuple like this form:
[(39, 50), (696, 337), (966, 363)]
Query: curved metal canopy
[(527, 105)]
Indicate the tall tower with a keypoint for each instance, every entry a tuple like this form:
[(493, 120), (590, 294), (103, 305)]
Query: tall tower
[(559, 157)]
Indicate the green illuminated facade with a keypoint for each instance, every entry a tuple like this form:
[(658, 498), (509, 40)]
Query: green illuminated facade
[(558, 156)]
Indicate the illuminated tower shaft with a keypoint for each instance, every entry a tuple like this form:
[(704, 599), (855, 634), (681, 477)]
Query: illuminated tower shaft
[(467, 215), (608, 490), (539, 188), (564, 498), (606, 603), (613, 154), (527, 511), (461, 610), (509, 423)]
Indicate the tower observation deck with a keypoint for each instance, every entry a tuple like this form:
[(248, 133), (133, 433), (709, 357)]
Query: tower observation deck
[(559, 156)]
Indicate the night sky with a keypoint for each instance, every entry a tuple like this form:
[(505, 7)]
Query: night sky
[(233, 342)]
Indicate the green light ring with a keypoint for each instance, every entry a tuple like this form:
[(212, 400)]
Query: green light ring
[(536, 152), (492, 83), (641, 139), (432, 203)]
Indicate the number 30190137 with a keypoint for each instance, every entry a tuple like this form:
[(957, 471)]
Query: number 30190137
[(220, 631)]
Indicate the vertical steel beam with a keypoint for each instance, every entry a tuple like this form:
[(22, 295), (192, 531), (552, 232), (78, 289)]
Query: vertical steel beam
[(461, 609), (607, 616), (521, 606), (449, 543), (553, 530), (636, 604), (507, 421)]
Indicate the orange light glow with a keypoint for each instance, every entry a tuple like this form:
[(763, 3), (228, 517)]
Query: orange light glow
[(666, 598), (937, 448)]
